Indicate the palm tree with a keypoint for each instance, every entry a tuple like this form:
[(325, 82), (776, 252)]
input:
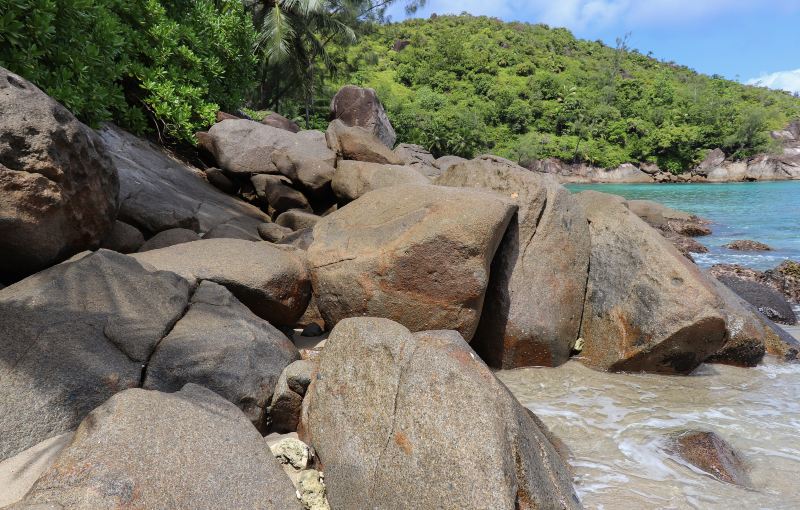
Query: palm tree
[(293, 36)]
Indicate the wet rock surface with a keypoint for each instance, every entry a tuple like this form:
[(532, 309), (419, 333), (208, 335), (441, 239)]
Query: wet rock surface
[(710, 453)]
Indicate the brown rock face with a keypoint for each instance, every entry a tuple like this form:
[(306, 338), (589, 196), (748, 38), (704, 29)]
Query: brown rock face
[(419, 255), (359, 144), (356, 178), (647, 307), (533, 305), (145, 449), (386, 408), (279, 121), (712, 454), (747, 245), (360, 107), (58, 188)]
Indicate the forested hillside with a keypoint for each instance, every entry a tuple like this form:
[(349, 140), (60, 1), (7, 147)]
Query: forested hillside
[(466, 85)]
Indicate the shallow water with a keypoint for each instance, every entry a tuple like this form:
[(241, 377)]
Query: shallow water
[(762, 211), (615, 426)]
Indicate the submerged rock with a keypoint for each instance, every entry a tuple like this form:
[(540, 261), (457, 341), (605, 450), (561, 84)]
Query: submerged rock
[(538, 277), (711, 454), (647, 307), (423, 394), (747, 245), (419, 255), (59, 191), (145, 449), (767, 300)]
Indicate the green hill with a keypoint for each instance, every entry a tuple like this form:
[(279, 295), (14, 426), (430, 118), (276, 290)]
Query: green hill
[(466, 85)]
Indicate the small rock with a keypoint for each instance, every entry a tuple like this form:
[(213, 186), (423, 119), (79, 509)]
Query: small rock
[(296, 219), (767, 300), (312, 329), (168, 238), (747, 245), (293, 452), (712, 454), (273, 232), (124, 238), (232, 231), (311, 490), (287, 399), (279, 121), (218, 178), (278, 193)]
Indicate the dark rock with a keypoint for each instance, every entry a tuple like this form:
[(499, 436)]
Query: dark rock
[(532, 314), (270, 280), (419, 255), (73, 335), (647, 307), (690, 228), (246, 146), (145, 449), (785, 278), (356, 178), (747, 245), (273, 232), (217, 344), (169, 237), (423, 393), (767, 300), (287, 401), (400, 45), (711, 454), (685, 245), (358, 144), (226, 231), (300, 239), (279, 121), (124, 238), (296, 219), (59, 191), (312, 329), (360, 107), (220, 181), (278, 193), (158, 192)]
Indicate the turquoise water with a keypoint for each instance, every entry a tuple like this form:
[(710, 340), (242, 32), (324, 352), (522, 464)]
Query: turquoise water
[(762, 211)]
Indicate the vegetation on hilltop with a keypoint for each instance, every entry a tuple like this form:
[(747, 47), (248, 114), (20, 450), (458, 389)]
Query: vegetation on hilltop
[(466, 85)]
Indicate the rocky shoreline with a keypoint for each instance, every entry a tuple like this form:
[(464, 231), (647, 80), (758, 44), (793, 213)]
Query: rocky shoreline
[(160, 325)]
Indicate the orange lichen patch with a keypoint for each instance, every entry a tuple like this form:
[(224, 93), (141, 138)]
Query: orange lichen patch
[(403, 442)]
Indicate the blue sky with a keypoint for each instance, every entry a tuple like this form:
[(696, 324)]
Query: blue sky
[(747, 40)]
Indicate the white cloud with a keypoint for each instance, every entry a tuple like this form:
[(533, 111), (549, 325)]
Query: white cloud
[(782, 80)]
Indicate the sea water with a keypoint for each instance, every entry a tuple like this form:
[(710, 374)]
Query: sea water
[(616, 426), (760, 211)]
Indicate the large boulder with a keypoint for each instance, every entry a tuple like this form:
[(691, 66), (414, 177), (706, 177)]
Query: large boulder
[(271, 281), (785, 278), (767, 300), (145, 449), (355, 178), (647, 307), (246, 147), (59, 191), (403, 420), (311, 175), (358, 144), (221, 345), (418, 158), (419, 255), (159, 192), (532, 314), (73, 335), (123, 238), (360, 107)]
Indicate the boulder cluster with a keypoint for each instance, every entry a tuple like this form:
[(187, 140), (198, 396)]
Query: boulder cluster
[(154, 309)]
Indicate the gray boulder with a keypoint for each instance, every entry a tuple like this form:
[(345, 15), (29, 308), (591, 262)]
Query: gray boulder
[(220, 181), (159, 192), (246, 147), (355, 178), (273, 232), (647, 307), (123, 238), (714, 159), (221, 345), (311, 175), (442, 431), (73, 335), (278, 193), (418, 158), (287, 401), (358, 144), (145, 449), (59, 191), (537, 286), (445, 162), (360, 107), (419, 255), (270, 281), (168, 238), (767, 300), (296, 219)]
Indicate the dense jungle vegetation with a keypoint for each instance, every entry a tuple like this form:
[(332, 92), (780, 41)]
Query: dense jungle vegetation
[(460, 84)]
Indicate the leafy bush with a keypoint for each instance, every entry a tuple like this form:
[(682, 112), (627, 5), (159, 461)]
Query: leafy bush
[(148, 65), (469, 85)]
